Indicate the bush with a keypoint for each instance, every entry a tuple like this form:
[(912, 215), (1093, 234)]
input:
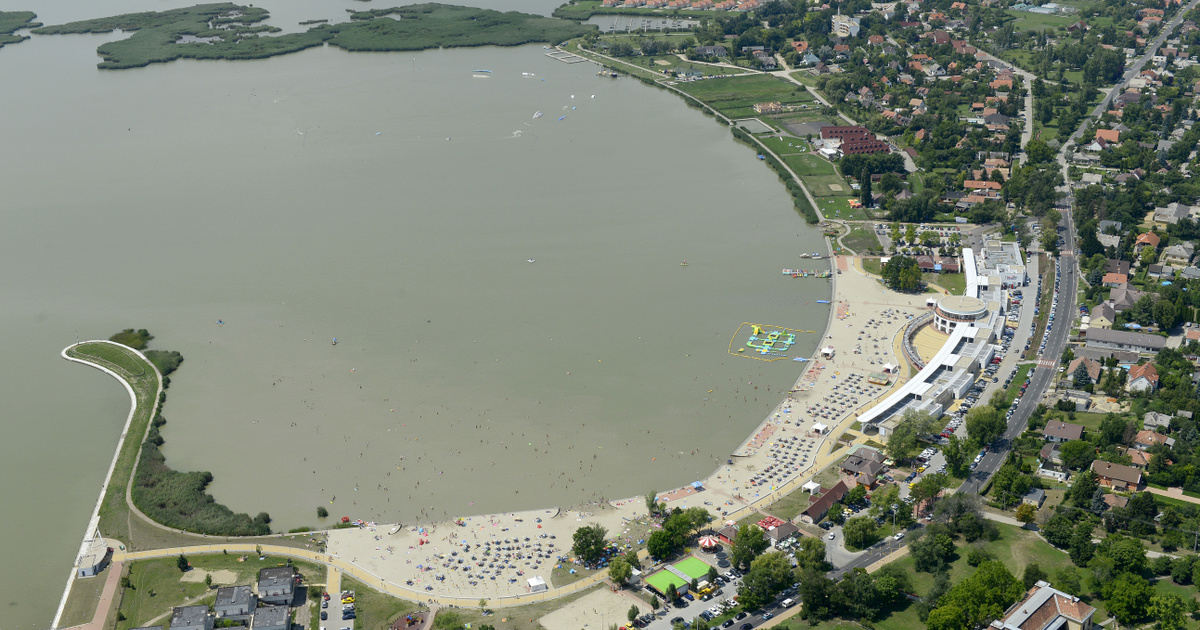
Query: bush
[(166, 361), (322, 512), (134, 339)]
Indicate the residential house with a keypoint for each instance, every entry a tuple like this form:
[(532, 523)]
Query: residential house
[(191, 618), (1093, 367), (1142, 377), (235, 603), (844, 26), (774, 107), (728, 534), (1120, 340), (1116, 476), (276, 585), (1058, 431), (1035, 497), (1172, 213), (1178, 254), (1109, 240), (819, 506), (1190, 272), (1146, 439), (1103, 315), (1046, 608), (711, 51), (1122, 298), (1154, 420), (1053, 470), (1157, 271), (1148, 239), (1111, 280), (1112, 227), (1117, 266), (1111, 136), (272, 618), (1137, 458)]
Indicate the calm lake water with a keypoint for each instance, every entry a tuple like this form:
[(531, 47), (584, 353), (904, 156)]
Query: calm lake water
[(390, 201)]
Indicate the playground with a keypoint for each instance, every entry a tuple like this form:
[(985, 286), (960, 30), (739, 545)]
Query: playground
[(764, 343)]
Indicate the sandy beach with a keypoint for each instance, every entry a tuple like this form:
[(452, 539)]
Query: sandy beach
[(493, 556)]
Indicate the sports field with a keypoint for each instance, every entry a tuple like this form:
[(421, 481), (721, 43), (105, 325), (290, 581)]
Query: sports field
[(693, 567), (663, 580)]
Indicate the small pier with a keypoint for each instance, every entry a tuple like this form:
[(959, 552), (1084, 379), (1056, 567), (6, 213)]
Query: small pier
[(566, 57)]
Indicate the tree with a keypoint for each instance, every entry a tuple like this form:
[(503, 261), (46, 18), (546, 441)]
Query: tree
[(948, 617), (1026, 513), (1127, 554), (182, 563), (859, 532), (955, 452), (818, 593), (653, 507), (901, 273), (750, 542), (654, 603), (589, 543), (1058, 530), (1077, 454), (859, 595), (1168, 610), (1164, 314), (1082, 549), (672, 592), (322, 512), (633, 613), (985, 595), (985, 424), (1066, 579), (836, 514), (902, 443), (864, 181), (619, 571), (208, 579), (1081, 491), (769, 574), (1127, 597), (1038, 152), (810, 553), (929, 487), (932, 552), (1033, 574), (1080, 376), (659, 545)]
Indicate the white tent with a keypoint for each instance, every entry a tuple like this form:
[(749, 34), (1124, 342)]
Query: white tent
[(537, 584), (827, 352), (820, 428), (890, 367), (811, 487)]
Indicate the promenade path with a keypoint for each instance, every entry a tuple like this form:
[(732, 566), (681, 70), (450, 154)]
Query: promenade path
[(112, 579), (338, 566)]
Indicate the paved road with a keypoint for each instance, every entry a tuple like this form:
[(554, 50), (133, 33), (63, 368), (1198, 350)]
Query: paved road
[(1130, 73)]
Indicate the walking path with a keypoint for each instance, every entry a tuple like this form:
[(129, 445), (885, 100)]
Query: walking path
[(112, 579), (1173, 493)]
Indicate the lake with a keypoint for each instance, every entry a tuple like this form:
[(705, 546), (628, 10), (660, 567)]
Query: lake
[(394, 202)]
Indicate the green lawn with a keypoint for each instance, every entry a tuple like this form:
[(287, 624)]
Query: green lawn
[(1038, 22), (81, 603), (1010, 394), (956, 283), (736, 96), (872, 265), (1015, 547), (861, 238), (124, 361)]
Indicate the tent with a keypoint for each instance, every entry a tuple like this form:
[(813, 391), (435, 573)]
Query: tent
[(827, 352), (820, 428), (811, 487), (537, 584), (708, 542)]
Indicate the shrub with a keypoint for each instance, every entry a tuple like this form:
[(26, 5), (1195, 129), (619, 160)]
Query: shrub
[(135, 339)]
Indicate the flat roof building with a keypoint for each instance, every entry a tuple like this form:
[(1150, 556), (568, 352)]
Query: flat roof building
[(276, 585), (191, 618)]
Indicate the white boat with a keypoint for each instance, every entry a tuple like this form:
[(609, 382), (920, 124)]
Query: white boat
[(484, 71), (537, 114), (806, 255)]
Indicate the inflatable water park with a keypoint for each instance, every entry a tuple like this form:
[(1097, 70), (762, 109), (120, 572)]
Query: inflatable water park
[(764, 343)]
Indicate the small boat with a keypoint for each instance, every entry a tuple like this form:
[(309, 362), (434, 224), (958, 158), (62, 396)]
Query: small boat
[(822, 301), (806, 255), (683, 264), (484, 71), (530, 260), (335, 341), (537, 114)]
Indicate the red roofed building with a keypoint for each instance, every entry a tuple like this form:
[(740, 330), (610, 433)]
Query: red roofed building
[(1142, 377)]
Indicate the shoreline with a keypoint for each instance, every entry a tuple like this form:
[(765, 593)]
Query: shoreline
[(94, 521)]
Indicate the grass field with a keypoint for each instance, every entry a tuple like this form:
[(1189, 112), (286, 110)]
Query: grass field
[(693, 567), (861, 238), (955, 283), (1038, 22), (1015, 547), (81, 603), (736, 96)]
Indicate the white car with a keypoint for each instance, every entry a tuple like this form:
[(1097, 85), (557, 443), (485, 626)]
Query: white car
[(831, 535), (898, 536)]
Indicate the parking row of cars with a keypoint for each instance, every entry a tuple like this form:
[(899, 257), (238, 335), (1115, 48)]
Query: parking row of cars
[(348, 612)]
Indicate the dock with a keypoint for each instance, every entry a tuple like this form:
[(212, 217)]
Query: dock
[(566, 57)]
